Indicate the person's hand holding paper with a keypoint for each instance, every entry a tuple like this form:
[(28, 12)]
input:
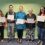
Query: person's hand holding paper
[(10, 17), (41, 18), (30, 21), (2, 19), (20, 21)]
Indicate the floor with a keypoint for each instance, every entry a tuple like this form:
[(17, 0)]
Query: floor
[(14, 42)]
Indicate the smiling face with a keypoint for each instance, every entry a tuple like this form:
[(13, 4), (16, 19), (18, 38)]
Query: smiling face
[(30, 11), (10, 8), (42, 9), (1, 13), (20, 8)]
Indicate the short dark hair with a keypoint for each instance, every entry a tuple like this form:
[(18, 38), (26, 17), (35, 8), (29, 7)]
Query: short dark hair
[(10, 5)]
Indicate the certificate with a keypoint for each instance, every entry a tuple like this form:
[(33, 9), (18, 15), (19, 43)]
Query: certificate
[(10, 17), (2, 19), (41, 18), (20, 21), (30, 21)]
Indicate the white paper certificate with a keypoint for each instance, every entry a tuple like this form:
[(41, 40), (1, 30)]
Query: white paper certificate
[(30, 21), (20, 21), (10, 17), (41, 18), (2, 19)]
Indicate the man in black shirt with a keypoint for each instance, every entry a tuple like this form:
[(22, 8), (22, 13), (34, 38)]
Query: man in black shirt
[(10, 21)]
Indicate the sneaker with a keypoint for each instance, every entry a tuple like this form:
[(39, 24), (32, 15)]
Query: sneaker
[(39, 42), (20, 40), (2, 40)]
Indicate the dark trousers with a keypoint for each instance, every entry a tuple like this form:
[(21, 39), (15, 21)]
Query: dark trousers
[(1, 32), (44, 38), (20, 33), (43, 43), (41, 33)]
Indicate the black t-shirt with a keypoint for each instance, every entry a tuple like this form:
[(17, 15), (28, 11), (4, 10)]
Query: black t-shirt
[(41, 24), (8, 13), (31, 25)]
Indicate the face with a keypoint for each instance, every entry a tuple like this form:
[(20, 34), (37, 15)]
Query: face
[(42, 9), (0, 13), (10, 8), (30, 11), (20, 8)]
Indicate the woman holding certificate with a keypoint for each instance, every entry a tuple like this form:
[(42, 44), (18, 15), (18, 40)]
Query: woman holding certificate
[(31, 20), (2, 25), (44, 31), (20, 23), (10, 21), (41, 25)]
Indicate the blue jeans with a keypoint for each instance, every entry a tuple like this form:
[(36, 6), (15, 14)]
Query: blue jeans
[(44, 39), (41, 34)]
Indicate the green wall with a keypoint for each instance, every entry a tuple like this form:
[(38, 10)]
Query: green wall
[(35, 4)]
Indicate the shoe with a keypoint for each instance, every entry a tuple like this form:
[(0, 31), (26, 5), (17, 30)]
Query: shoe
[(39, 42), (20, 41), (2, 40)]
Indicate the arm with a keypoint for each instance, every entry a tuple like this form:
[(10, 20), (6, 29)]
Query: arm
[(5, 23)]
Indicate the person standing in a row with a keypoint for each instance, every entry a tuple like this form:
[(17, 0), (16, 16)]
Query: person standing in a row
[(30, 23), (44, 31), (2, 26), (10, 22), (20, 22), (41, 26)]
